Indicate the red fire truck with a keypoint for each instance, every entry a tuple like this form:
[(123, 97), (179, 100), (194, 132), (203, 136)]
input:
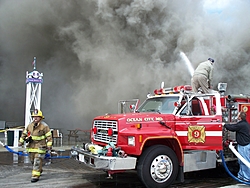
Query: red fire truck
[(172, 132)]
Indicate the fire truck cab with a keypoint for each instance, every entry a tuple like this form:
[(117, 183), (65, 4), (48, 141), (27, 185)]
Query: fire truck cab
[(172, 132)]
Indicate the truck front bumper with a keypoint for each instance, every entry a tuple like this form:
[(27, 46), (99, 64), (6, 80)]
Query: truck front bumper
[(103, 162)]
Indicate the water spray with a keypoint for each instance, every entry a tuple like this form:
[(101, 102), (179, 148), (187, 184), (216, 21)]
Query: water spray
[(188, 63)]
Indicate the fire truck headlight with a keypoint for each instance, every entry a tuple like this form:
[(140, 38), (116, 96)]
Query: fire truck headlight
[(131, 141)]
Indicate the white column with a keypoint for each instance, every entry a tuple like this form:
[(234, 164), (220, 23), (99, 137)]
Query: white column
[(34, 82)]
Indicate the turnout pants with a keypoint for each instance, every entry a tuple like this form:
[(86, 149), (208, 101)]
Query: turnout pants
[(37, 163)]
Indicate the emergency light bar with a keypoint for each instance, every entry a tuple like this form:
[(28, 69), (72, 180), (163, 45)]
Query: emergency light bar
[(182, 88), (176, 89)]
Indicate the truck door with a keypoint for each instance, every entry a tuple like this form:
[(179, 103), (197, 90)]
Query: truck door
[(197, 128)]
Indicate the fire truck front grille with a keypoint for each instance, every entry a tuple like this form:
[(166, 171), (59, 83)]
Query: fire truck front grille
[(103, 128)]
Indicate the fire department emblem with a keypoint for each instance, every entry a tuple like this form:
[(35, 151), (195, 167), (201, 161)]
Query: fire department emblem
[(244, 108), (196, 134)]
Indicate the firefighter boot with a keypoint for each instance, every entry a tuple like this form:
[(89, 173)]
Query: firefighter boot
[(34, 179)]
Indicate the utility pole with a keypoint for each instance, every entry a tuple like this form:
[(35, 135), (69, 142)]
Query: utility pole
[(34, 82)]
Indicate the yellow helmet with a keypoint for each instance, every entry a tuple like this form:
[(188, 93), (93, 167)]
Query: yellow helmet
[(37, 113)]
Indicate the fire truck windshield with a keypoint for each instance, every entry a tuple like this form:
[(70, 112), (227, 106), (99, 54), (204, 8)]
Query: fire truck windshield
[(164, 105)]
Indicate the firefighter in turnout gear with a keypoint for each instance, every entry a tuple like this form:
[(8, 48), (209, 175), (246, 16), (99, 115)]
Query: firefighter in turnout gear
[(38, 137)]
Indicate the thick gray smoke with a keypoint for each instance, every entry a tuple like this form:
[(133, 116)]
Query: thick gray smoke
[(95, 53)]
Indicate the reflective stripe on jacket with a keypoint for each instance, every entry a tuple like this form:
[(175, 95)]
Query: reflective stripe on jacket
[(41, 137)]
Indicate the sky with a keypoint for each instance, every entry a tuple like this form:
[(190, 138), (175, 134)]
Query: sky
[(94, 53)]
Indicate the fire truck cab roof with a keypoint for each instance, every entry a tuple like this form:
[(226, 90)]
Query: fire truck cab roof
[(180, 100)]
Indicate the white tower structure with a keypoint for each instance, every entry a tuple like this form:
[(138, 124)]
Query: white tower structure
[(34, 82)]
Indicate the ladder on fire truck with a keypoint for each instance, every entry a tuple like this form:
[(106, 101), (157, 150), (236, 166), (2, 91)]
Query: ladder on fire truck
[(34, 82)]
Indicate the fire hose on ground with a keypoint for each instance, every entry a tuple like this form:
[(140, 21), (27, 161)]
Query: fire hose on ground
[(240, 157), (20, 153)]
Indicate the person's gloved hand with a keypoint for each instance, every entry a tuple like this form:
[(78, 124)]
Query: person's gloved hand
[(20, 144)]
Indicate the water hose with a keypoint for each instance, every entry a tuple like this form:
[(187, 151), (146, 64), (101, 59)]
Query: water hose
[(228, 171), (20, 153), (48, 156), (238, 155)]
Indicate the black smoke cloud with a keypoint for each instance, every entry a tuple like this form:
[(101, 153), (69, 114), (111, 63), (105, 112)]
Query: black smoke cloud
[(95, 53)]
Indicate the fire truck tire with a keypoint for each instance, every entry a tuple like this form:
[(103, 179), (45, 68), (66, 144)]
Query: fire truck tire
[(157, 166)]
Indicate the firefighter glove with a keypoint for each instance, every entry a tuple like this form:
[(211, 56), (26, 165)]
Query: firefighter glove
[(28, 139)]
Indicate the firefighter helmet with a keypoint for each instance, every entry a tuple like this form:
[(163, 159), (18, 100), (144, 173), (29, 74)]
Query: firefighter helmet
[(37, 113), (210, 59)]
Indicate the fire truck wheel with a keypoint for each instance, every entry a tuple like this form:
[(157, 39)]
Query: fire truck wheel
[(157, 166)]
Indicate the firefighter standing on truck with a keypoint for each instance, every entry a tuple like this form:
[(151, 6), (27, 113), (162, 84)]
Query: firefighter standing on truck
[(203, 76), (39, 139)]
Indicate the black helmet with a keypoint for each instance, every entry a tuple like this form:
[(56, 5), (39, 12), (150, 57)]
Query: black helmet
[(210, 59)]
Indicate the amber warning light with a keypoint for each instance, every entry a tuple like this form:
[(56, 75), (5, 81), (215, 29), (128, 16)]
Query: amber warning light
[(138, 126)]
